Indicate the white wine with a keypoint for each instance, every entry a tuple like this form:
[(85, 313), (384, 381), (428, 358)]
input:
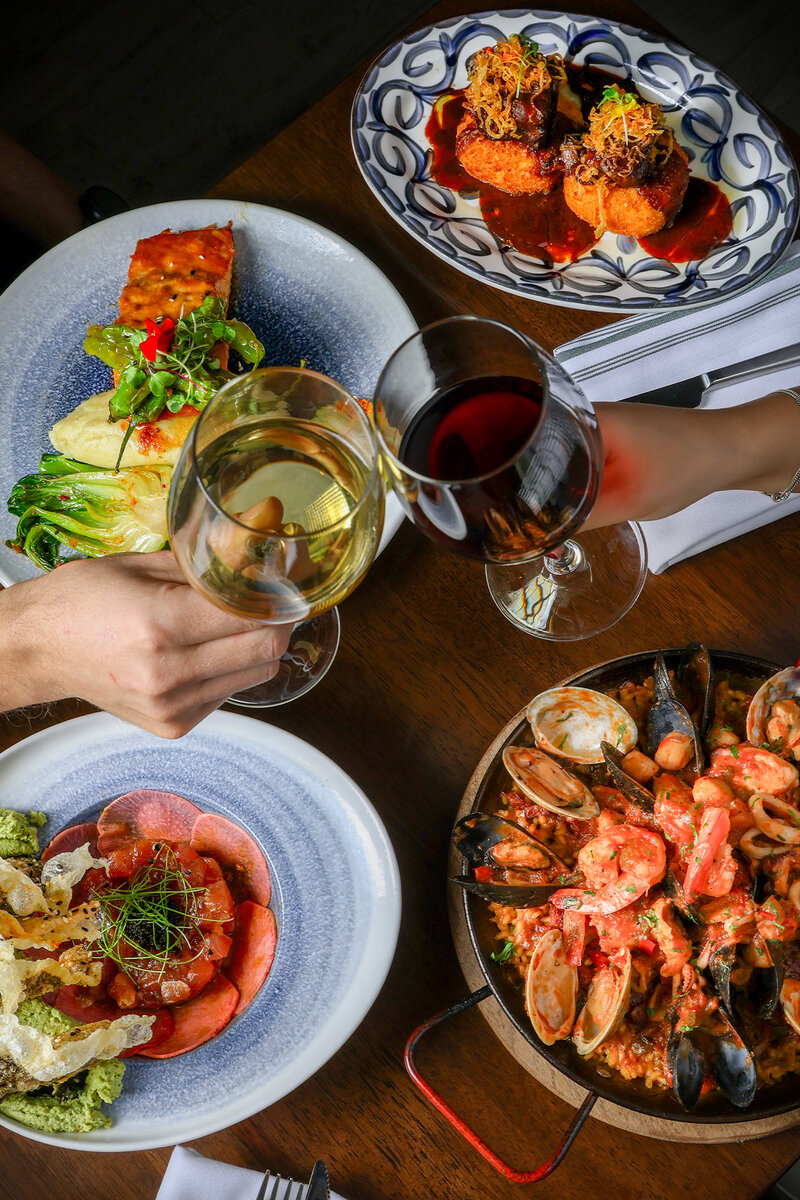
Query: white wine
[(294, 521)]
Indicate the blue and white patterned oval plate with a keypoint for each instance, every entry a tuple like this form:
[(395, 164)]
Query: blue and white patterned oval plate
[(727, 137), (336, 897), (305, 291)]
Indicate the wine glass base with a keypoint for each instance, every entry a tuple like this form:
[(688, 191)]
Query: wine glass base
[(311, 652), (568, 601)]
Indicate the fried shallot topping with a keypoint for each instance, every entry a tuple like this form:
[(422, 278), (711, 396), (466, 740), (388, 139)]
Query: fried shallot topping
[(626, 141), (507, 72)]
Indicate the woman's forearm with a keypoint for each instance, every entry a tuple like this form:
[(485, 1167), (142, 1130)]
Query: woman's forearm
[(660, 460), (22, 680)]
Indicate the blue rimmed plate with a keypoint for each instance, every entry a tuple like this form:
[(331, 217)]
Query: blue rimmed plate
[(336, 897), (727, 137), (305, 291)]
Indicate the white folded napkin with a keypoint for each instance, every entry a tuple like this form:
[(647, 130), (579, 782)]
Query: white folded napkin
[(191, 1176), (659, 348)]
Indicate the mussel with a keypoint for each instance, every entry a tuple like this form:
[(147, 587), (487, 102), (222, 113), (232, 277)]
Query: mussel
[(627, 785), (549, 784), (573, 722), (696, 676), (488, 840), (551, 989), (667, 716), (691, 1051)]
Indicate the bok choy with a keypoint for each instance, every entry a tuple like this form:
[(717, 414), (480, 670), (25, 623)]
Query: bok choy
[(73, 510)]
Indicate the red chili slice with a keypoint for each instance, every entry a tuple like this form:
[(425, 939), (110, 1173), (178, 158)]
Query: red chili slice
[(230, 845), (160, 816), (198, 1020), (253, 950), (71, 839)]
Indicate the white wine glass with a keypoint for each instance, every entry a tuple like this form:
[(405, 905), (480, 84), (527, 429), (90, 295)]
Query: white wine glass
[(276, 510)]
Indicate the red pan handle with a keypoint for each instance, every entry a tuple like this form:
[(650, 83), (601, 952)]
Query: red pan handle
[(455, 1120)]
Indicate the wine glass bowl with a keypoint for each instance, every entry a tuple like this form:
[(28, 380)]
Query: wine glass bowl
[(495, 453), (276, 509)]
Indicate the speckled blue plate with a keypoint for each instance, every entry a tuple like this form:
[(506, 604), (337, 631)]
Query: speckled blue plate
[(727, 137), (336, 896), (306, 292)]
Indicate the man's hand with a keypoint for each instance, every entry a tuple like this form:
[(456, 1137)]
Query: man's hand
[(129, 635)]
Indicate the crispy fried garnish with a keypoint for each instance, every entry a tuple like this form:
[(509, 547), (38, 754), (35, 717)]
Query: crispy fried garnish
[(500, 74), (626, 137)]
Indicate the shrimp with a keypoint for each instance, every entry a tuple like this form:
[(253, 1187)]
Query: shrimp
[(671, 938), (729, 921), (753, 769), (783, 726), (776, 920), (619, 866), (710, 849)]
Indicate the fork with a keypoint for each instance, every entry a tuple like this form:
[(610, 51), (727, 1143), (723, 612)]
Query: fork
[(271, 1188)]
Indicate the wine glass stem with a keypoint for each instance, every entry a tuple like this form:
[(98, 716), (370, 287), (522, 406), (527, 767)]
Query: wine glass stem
[(564, 559)]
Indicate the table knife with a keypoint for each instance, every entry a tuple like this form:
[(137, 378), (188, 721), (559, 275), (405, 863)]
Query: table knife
[(687, 393), (319, 1187)]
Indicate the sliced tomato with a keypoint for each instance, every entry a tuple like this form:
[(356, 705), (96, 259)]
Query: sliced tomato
[(71, 839), (215, 904), (229, 844), (253, 950), (146, 814), (198, 1020), (219, 943), (160, 1030)]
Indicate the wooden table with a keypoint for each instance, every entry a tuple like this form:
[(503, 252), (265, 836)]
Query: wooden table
[(427, 673)]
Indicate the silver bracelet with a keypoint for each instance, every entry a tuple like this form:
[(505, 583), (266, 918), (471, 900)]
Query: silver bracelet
[(778, 496)]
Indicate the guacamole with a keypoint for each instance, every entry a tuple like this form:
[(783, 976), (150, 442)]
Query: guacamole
[(74, 1105), (19, 837)]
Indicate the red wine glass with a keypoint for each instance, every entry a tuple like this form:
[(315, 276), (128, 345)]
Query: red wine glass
[(494, 452)]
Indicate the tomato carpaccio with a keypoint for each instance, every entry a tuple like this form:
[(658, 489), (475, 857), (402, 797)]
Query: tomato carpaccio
[(213, 968)]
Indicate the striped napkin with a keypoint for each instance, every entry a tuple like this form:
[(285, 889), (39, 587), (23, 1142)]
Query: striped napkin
[(623, 359), (191, 1176)]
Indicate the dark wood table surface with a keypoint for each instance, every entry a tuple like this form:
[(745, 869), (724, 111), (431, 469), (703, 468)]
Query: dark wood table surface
[(427, 673)]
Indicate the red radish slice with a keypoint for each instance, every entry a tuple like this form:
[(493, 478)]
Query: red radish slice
[(253, 950), (146, 814), (160, 1030), (198, 1020), (228, 844), (83, 1005), (71, 839)]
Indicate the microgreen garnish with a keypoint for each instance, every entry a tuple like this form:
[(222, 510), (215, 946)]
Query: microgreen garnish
[(623, 100), (147, 921), (529, 52), (505, 954)]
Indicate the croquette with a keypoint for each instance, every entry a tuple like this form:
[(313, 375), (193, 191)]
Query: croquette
[(633, 211)]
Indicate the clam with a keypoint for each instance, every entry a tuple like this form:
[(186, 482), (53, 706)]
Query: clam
[(551, 989), (668, 716), (785, 685), (549, 784), (606, 1003), (573, 722), (790, 1002), (487, 840)]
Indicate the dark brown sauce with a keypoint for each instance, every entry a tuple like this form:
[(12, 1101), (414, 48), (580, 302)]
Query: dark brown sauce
[(543, 226), (704, 220)]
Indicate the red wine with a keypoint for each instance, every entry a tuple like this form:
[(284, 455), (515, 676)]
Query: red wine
[(473, 428), (510, 477)]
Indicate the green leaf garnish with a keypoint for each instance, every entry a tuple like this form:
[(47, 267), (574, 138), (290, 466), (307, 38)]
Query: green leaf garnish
[(505, 954)]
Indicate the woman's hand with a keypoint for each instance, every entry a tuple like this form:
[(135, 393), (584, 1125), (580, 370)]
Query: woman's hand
[(129, 635), (660, 460)]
